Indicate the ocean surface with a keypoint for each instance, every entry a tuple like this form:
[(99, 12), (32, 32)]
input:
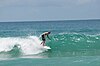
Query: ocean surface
[(73, 43)]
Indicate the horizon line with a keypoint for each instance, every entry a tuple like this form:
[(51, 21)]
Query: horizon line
[(49, 20)]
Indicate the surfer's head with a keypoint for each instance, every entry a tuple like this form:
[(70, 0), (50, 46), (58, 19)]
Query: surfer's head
[(49, 32)]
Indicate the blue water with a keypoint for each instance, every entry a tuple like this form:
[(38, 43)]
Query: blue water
[(73, 43)]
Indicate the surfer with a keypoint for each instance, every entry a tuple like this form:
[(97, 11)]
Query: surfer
[(44, 37)]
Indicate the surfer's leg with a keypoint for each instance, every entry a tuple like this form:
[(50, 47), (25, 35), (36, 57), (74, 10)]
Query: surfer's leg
[(43, 43)]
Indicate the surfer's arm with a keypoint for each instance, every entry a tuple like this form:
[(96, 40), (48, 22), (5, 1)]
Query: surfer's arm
[(48, 37)]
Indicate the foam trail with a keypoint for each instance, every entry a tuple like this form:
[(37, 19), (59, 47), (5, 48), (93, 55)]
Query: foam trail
[(28, 45)]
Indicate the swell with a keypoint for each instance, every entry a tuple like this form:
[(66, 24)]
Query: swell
[(73, 44), (76, 41), (63, 44)]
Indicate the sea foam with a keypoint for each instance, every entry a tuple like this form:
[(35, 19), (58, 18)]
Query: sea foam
[(26, 45)]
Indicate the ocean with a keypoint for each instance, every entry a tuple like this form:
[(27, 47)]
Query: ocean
[(73, 43)]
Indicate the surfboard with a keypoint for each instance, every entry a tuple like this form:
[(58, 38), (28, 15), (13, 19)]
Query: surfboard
[(46, 47)]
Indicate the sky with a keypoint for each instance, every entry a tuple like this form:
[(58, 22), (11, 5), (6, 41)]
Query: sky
[(41, 10)]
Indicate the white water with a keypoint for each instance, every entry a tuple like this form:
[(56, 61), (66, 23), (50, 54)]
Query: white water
[(27, 45)]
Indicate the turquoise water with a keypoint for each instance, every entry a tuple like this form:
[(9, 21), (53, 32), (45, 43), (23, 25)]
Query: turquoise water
[(73, 43)]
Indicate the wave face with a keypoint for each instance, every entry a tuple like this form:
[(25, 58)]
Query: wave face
[(68, 38), (75, 44), (75, 41), (68, 44)]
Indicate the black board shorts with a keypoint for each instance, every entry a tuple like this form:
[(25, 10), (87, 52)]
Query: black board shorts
[(43, 38)]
